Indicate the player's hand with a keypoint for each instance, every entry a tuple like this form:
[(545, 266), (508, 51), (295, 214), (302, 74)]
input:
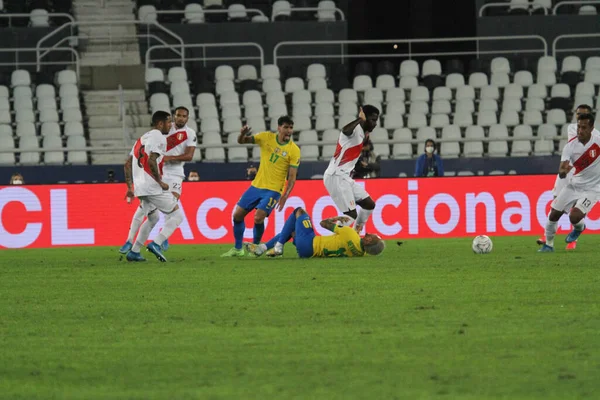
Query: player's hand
[(361, 115), (163, 185), (281, 203), (246, 130), (167, 159), (129, 196)]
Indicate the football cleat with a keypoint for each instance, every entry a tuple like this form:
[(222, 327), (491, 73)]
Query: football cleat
[(133, 256), (254, 250), (574, 235), (546, 249), (165, 245), (541, 240), (572, 246), (155, 249), (233, 252), (272, 253), (126, 247)]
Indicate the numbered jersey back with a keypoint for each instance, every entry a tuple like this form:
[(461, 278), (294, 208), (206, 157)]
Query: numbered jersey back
[(344, 242), (144, 183)]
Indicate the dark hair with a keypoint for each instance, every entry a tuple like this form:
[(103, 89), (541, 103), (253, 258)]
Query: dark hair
[(159, 116), (182, 108), (586, 117), (285, 119), (430, 140), (590, 109), (193, 171), (370, 110)]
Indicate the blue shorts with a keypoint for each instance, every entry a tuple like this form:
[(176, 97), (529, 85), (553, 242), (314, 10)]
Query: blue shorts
[(305, 234), (262, 199)]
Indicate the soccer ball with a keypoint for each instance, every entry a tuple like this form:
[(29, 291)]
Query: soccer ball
[(482, 244)]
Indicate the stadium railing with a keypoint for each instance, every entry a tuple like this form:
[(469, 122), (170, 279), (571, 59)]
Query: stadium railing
[(176, 48), (410, 42), (203, 12), (17, 64), (559, 38), (10, 16), (304, 9), (573, 3), (507, 5), (150, 62)]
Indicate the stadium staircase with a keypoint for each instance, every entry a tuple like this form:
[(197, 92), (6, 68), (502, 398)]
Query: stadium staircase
[(110, 57)]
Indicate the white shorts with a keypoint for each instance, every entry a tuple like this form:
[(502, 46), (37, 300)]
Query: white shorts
[(344, 192), (164, 202), (174, 183), (570, 197), (560, 184)]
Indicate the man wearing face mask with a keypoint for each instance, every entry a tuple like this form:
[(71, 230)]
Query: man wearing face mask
[(16, 179), (429, 164), (193, 176)]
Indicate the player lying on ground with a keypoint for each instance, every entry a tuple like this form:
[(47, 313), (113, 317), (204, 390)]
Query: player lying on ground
[(181, 144), (345, 241), (582, 192), (344, 191), (279, 159), (559, 183), (144, 181)]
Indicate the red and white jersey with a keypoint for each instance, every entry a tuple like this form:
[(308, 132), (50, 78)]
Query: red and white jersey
[(571, 132), (177, 141), (585, 160), (347, 152), (144, 183)]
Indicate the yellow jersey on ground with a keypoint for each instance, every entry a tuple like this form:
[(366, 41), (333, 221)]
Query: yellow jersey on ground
[(345, 242), (275, 160)]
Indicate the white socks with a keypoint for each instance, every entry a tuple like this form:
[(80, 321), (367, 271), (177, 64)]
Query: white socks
[(172, 221), (579, 226), (278, 247), (136, 222), (145, 230), (361, 219), (551, 228)]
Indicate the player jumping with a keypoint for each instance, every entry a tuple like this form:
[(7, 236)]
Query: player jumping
[(344, 192), (181, 144), (279, 159), (582, 192), (144, 181), (345, 241), (559, 184)]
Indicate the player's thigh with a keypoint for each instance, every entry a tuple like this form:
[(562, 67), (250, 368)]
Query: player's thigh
[(566, 198), (164, 202), (559, 185), (268, 200), (358, 192), (174, 182), (341, 193), (305, 234), (250, 198), (587, 202), (146, 204)]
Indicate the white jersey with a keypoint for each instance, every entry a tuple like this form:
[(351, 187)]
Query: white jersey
[(144, 183), (347, 152), (585, 160), (177, 142)]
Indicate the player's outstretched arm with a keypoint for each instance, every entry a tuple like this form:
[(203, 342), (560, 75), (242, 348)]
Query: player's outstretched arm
[(564, 169), (292, 175), (245, 135), (348, 129), (331, 223), (129, 178), (187, 156)]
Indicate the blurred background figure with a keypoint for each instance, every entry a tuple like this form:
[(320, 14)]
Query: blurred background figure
[(251, 172), (110, 176), (368, 165), (16, 179), (193, 176), (429, 163)]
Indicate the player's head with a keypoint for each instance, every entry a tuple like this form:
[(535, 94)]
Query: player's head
[(583, 109), (585, 126), (285, 128), (372, 244), (161, 120), (372, 115), (181, 116)]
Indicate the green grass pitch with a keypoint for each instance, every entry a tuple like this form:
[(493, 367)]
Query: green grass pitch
[(428, 319)]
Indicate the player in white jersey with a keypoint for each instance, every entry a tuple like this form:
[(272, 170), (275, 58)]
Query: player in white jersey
[(344, 192), (144, 181), (181, 144), (582, 192), (559, 184)]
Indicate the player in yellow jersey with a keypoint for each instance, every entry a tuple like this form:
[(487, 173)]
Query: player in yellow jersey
[(279, 161), (345, 241)]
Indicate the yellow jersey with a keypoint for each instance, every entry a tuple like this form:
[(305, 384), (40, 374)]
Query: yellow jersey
[(345, 242), (275, 160)]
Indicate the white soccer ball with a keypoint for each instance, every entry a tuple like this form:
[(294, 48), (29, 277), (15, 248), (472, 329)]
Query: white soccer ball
[(482, 244)]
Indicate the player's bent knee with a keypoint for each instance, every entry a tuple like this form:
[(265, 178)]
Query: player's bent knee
[(299, 211), (259, 216), (367, 204), (554, 215), (239, 214), (153, 217), (575, 216)]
